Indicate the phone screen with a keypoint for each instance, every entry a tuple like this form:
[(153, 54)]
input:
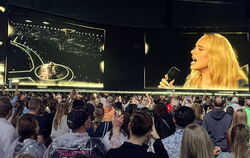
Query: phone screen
[(173, 73)]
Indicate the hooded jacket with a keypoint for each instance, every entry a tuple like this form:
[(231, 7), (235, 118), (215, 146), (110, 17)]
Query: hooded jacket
[(28, 146), (217, 122)]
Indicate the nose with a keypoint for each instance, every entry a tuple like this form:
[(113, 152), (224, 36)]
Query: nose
[(193, 51)]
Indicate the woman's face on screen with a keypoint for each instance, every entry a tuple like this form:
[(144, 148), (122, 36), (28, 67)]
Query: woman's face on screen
[(200, 55)]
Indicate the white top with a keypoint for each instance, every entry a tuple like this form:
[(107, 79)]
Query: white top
[(7, 133), (61, 129), (1, 149)]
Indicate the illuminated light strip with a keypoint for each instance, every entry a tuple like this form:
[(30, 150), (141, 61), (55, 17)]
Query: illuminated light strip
[(131, 92), (89, 27), (18, 78)]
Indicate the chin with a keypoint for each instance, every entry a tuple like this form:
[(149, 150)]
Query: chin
[(193, 67)]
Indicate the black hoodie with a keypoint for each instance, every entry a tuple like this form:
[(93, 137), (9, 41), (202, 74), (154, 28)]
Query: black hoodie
[(217, 122)]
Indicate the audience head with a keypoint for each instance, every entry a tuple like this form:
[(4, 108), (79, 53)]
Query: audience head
[(90, 109), (53, 103), (240, 137), (78, 118), (198, 110), (140, 124), (98, 114), (27, 127), (235, 100), (219, 102), (230, 110), (131, 108), (110, 100), (18, 111), (34, 104), (5, 107), (184, 116), (196, 143), (118, 106), (247, 102), (239, 117), (77, 102), (161, 110)]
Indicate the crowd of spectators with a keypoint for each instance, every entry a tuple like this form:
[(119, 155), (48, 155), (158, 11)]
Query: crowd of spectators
[(99, 125)]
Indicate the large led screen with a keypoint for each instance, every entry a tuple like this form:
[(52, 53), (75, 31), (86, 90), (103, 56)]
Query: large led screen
[(215, 61), (51, 51)]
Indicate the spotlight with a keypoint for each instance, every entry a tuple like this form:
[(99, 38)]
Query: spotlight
[(2, 9)]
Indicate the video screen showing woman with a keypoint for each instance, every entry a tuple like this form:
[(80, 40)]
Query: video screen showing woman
[(216, 61)]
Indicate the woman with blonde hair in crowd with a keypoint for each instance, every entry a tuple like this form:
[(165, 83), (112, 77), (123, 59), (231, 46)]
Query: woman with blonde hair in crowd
[(196, 143), (239, 117), (239, 145), (59, 125), (198, 110), (214, 65)]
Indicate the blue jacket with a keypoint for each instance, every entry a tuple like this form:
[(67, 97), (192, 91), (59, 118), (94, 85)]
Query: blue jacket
[(217, 122)]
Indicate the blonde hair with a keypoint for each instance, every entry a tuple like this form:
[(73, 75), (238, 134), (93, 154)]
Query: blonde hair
[(239, 117), (198, 109), (99, 113), (62, 109), (224, 69), (196, 143), (240, 141)]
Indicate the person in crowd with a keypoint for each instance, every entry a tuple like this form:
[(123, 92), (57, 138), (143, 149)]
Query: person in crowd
[(247, 109), (46, 114), (196, 143), (18, 108), (198, 111), (208, 105), (7, 131), (234, 104), (163, 120), (183, 116), (216, 123), (109, 109), (239, 145), (27, 128), (239, 117), (59, 125), (119, 132), (140, 127), (130, 108), (99, 127), (207, 70), (76, 143), (230, 111), (34, 107)]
